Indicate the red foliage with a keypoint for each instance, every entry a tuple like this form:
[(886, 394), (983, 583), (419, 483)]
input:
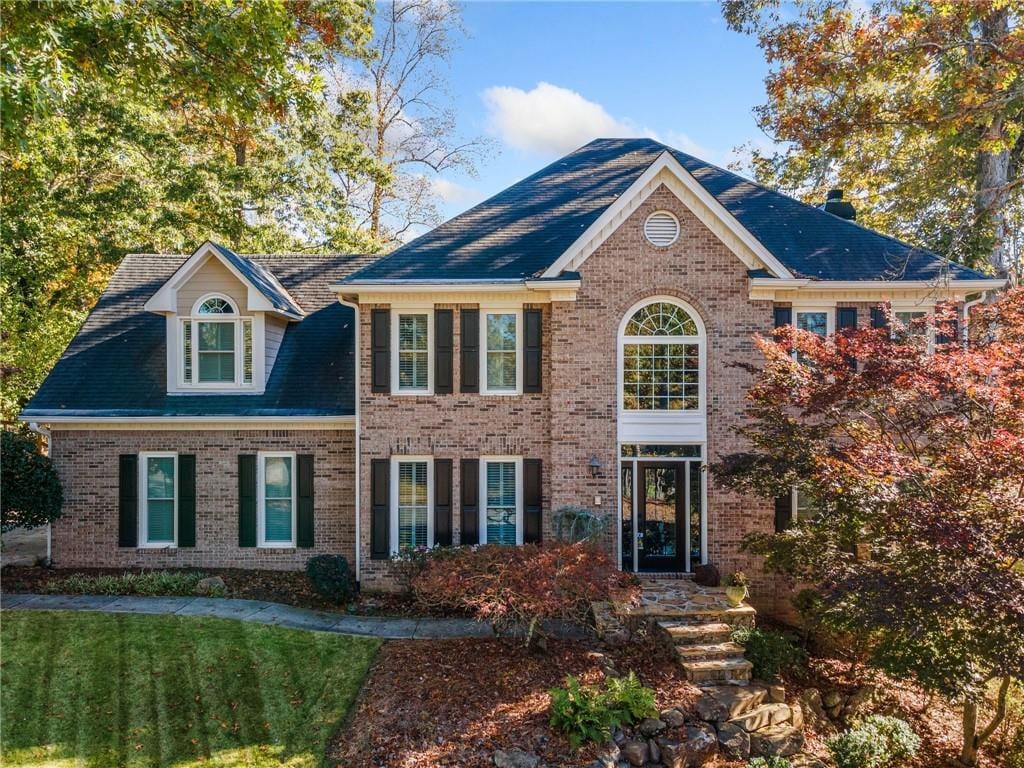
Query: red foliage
[(518, 587)]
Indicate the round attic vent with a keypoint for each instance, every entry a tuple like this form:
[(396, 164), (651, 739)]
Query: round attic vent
[(661, 228)]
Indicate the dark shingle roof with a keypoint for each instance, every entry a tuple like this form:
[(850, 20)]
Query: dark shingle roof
[(116, 364), (522, 230), (264, 280)]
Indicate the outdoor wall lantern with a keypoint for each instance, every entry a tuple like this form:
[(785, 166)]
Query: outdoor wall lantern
[(595, 466)]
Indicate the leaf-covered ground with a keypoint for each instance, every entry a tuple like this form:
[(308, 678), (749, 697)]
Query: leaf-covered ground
[(101, 690)]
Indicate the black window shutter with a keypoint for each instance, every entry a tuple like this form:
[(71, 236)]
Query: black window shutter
[(247, 500), (380, 350), (444, 351), (532, 505), (783, 316), (878, 318), (380, 509), (128, 500), (469, 359), (186, 500), (532, 352), (846, 318), (304, 501), (783, 513), (953, 337), (470, 497), (443, 502)]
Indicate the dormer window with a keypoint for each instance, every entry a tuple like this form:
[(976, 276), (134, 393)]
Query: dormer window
[(216, 345)]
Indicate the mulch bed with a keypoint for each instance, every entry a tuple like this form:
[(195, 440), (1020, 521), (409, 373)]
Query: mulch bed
[(454, 702), (288, 587)]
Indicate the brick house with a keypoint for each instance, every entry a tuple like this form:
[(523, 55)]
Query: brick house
[(569, 341)]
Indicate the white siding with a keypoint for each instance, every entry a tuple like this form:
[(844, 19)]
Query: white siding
[(212, 277), (274, 332)]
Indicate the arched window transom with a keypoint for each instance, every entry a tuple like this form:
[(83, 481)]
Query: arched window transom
[(215, 305), (661, 359)]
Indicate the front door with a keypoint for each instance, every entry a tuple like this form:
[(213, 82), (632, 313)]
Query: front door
[(661, 516)]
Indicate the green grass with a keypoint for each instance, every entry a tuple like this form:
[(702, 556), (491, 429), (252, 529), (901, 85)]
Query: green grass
[(92, 689)]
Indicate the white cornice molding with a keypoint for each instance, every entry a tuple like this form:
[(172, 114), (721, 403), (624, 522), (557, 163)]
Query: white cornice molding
[(668, 171), (866, 290), (460, 292), (179, 423)]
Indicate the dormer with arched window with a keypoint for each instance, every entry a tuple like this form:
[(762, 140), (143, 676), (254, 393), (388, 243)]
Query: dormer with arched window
[(226, 319)]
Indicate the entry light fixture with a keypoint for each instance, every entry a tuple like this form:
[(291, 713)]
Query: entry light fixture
[(595, 466)]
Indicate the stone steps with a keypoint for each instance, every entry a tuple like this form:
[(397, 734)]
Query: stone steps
[(732, 671), (709, 651), (682, 633)]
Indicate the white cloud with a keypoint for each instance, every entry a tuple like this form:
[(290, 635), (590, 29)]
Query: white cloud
[(549, 119), (452, 192)]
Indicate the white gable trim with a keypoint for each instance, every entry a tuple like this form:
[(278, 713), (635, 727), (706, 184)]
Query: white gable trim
[(165, 300), (668, 171)]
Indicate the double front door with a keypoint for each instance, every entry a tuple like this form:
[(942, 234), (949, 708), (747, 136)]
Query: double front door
[(662, 515)]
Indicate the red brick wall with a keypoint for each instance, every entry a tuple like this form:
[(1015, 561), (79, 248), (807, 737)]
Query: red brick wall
[(87, 462)]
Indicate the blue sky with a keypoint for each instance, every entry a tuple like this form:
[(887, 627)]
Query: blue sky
[(541, 78)]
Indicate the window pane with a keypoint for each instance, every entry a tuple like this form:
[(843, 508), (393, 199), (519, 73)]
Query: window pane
[(160, 499), (217, 337), (659, 377), (412, 352), (412, 504), (247, 351), (661, 319), (216, 306), (278, 523), (216, 352), (278, 477), (501, 351), (501, 502), (216, 366), (815, 322)]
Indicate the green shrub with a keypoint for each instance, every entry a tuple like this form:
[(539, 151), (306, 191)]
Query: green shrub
[(769, 762), (331, 577), (771, 653), (586, 713), (878, 742), (30, 491), (149, 583)]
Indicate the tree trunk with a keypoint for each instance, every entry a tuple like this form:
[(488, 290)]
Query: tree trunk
[(991, 189), (969, 753)]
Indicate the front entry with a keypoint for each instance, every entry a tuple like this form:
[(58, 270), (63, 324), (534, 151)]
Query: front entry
[(662, 512)]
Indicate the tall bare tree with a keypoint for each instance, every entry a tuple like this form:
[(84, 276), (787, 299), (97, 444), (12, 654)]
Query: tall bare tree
[(411, 132)]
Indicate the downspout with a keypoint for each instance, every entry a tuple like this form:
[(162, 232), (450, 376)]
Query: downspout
[(358, 470), (34, 427), (967, 316)]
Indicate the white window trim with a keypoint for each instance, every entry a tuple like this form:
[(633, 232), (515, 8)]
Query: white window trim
[(484, 461), (261, 494), (144, 458), (897, 306), (395, 314), (402, 459), (176, 355), (828, 309), (701, 340), (484, 312)]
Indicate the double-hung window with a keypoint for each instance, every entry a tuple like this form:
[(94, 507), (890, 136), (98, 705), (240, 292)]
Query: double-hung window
[(158, 499), (502, 510), (910, 326), (805, 506), (412, 490), (817, 320), (661, 359), (412, 339), (276, 492), (216, 346), (500, 361)]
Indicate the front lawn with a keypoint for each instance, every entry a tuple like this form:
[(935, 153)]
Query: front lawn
[(101, 689)]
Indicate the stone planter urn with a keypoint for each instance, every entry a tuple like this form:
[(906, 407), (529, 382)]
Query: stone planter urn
[(736, 595)]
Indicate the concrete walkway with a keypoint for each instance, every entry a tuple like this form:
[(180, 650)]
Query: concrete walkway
[(386, 627)]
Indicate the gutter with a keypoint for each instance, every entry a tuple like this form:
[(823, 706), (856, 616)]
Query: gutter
[(468, 286), (357, 503), (982, 284)]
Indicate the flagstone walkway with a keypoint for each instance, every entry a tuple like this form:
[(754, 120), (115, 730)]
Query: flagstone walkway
[(385, 627)]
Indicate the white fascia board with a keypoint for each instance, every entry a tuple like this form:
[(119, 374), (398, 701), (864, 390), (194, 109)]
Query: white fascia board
[(880, 285), (666, 162), (165, 300), (467, 286)]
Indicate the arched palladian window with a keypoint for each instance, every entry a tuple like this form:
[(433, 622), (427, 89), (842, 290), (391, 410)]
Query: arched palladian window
[(216, 344), (661, 359)]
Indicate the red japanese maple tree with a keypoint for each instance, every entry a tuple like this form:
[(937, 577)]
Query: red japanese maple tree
[(912, 443)]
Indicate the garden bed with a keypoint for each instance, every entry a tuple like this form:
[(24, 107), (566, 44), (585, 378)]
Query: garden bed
[(287, 587)]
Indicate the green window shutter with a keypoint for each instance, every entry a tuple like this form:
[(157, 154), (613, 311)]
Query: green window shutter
[(469, 492), (247, 500), (380, 509), (783, 513), (128, 500), (443, 502), (304, 502), (469, 358), (532, 501), (444, 351), (532, 351), (186, 500), (380, 350)]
